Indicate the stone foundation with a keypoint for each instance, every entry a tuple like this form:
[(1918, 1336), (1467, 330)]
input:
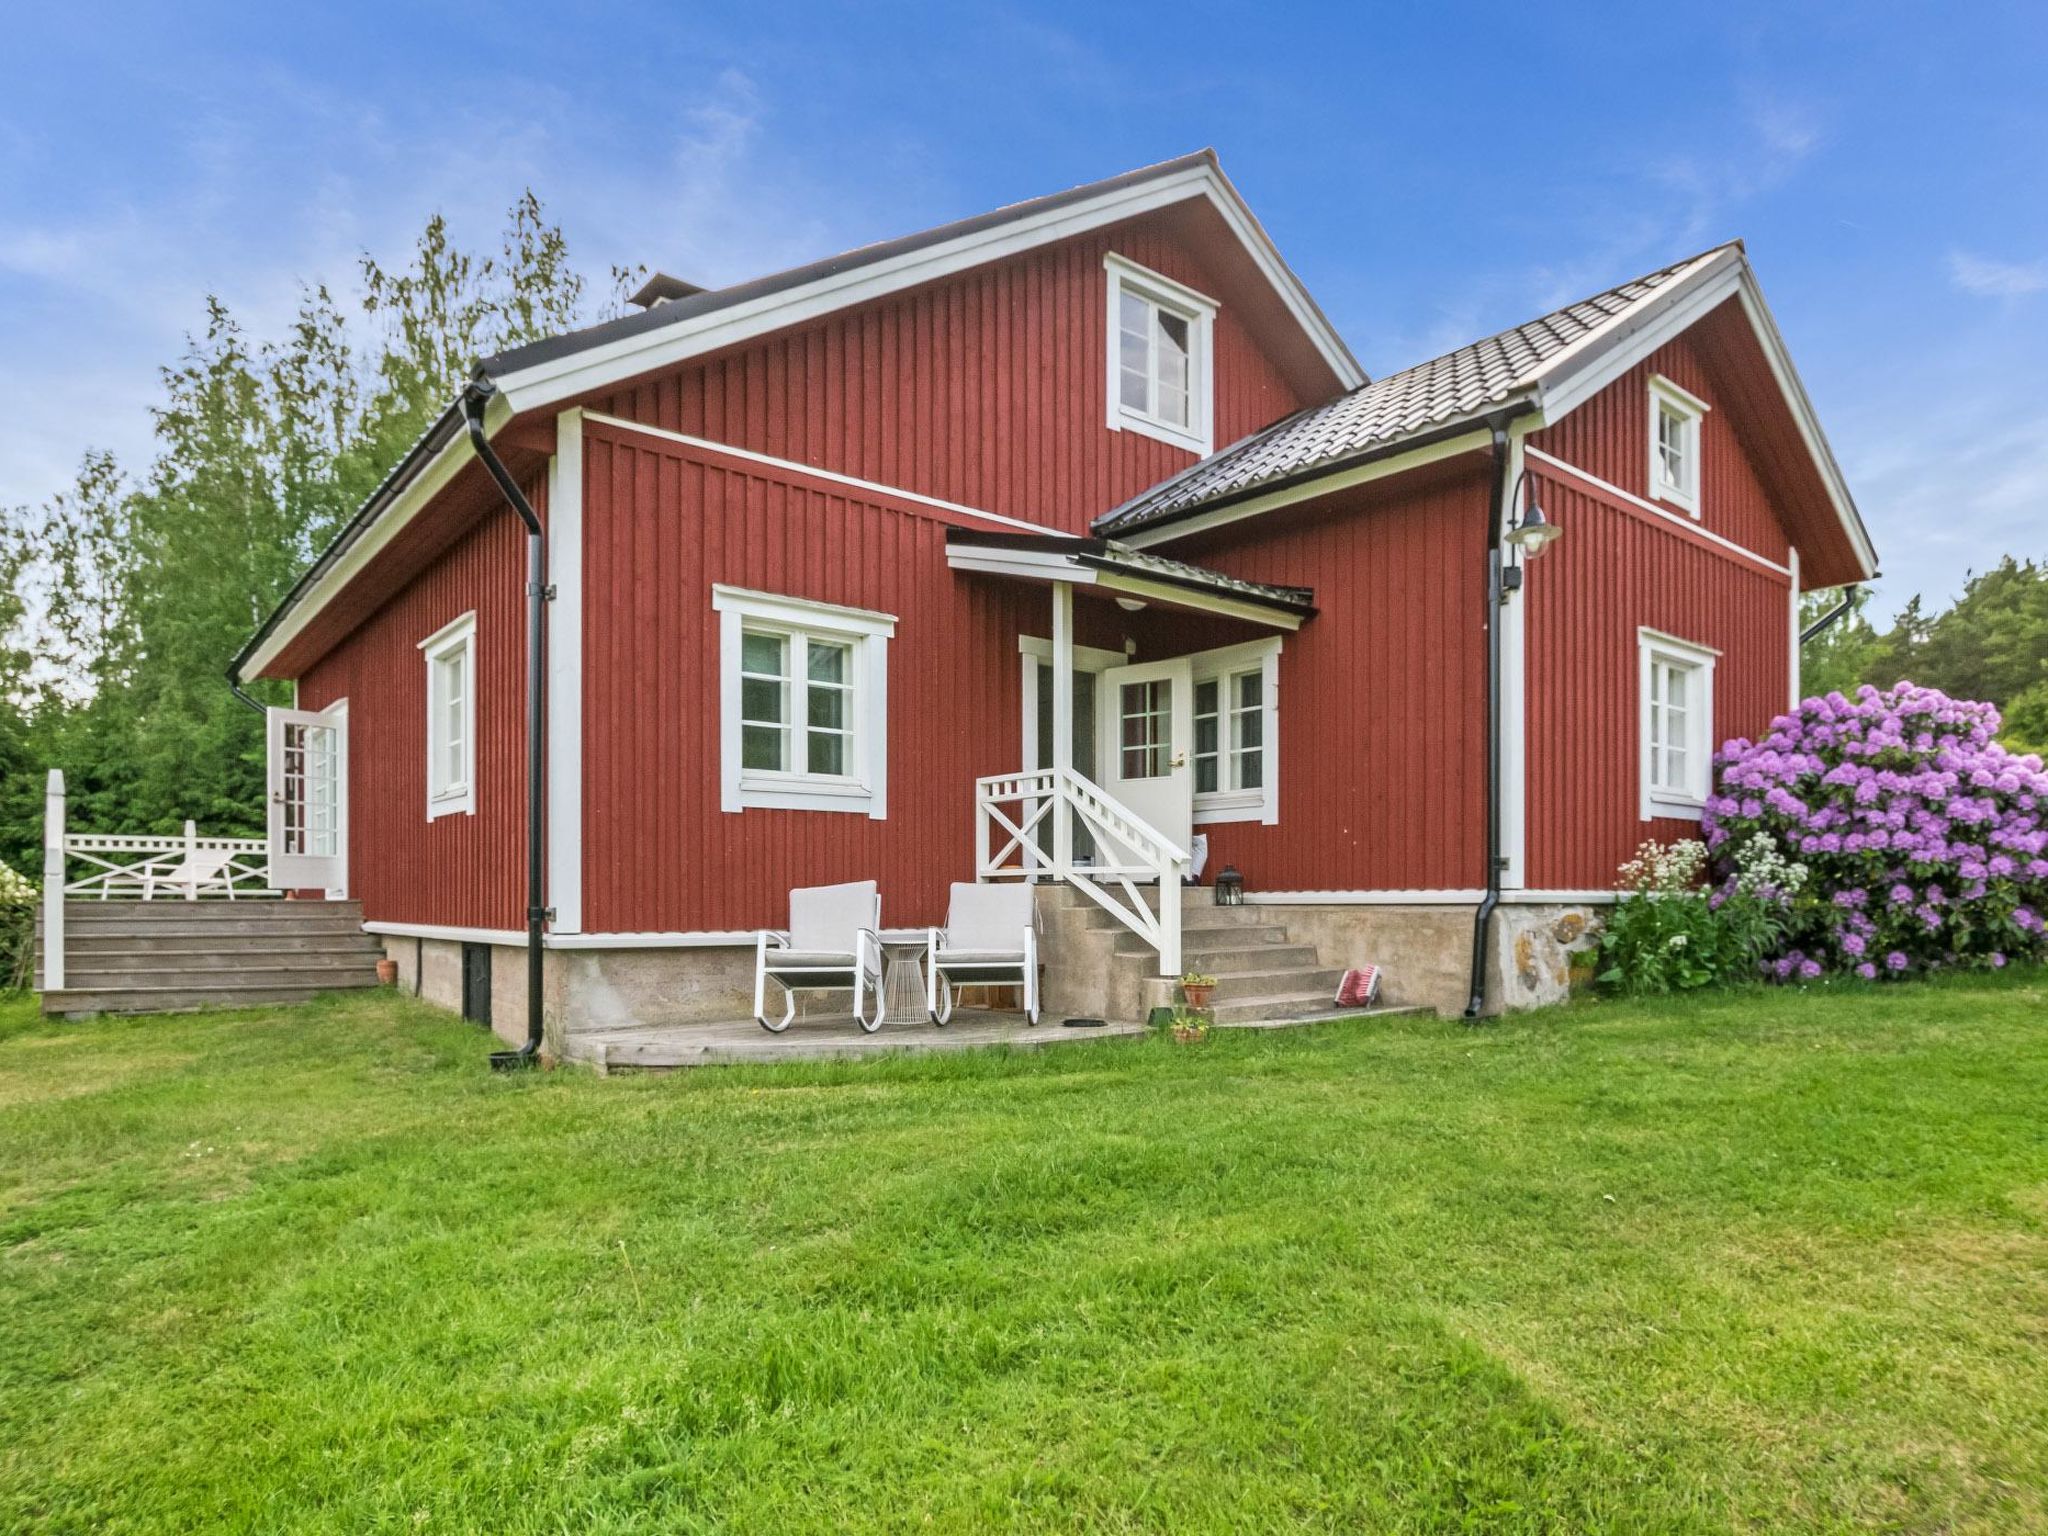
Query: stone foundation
[(1424, 950)]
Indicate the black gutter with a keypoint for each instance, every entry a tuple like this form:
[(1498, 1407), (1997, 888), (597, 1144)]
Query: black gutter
[(474, 398), (1828, 619), (1482, 919)]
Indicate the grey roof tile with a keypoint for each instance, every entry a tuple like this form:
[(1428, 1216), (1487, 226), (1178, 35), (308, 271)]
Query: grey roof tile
[(1452, 388)]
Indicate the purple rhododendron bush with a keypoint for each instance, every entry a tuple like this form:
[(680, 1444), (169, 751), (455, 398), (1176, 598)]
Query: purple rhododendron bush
[(1925, 842)]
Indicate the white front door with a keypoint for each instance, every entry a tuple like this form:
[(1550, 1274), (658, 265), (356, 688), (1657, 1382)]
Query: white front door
[(1146, 736), (308, 760)]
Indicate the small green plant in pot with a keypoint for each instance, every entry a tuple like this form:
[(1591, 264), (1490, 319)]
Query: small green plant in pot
[(1197, 989), (1188, 1027)]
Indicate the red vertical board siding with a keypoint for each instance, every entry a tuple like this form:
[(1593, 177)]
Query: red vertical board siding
[(1609, 437), (662, 524), (989, 388), (462, 870), (1382, 693), (1617, 569), (1621, 567)]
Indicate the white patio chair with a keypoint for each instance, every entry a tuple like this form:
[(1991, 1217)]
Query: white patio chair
[(203, 869), (834, 944), (990, 939)]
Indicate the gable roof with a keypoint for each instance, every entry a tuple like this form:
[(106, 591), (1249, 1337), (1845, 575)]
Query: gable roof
[(1545, 368), (669, 332), (1465, 385)]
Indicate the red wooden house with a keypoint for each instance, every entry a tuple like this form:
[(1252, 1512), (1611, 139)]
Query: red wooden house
[(840, 563)]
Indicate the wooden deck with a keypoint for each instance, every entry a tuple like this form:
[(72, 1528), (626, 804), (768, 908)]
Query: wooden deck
[(827, 1037)]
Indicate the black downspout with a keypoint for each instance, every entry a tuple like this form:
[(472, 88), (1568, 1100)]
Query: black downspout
[(1827, 620), (473, 400), (235, 687), (1482, 919)]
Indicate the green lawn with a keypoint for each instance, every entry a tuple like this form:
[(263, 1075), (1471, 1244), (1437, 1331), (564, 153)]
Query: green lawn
[(1761, 1262)]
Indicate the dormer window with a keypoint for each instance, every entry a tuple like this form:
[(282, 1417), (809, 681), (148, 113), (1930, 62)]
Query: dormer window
[(1159, 357), (1675, 417)]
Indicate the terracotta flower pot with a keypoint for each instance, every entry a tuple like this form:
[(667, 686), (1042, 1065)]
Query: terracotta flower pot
[(1190, 1034), (1198, 996), (387, 972)]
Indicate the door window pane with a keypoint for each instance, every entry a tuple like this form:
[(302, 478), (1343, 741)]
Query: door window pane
[(1145, 710), (1207, 737)]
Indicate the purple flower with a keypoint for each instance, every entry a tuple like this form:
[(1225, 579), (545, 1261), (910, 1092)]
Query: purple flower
[(1896, 961), (1867, 971)]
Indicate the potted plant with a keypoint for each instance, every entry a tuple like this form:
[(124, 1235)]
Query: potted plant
[(1189, 1028), (1197, 989)]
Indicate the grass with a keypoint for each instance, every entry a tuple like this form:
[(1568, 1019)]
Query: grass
[(1760, 1261)]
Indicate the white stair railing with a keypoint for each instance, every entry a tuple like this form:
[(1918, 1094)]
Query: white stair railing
[(1021, 831)]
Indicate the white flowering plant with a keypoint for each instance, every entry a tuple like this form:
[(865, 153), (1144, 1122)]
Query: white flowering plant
[(1667, 932), (17, 929)]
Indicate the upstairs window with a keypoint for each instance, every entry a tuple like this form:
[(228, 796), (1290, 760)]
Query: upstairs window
[(1235, 730), (1675, 418), (451, 718), (804, 704), (1677, 725), (1159, 357)]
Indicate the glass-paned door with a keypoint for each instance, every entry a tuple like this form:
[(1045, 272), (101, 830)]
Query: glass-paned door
[(307, 811), (1084, 747)]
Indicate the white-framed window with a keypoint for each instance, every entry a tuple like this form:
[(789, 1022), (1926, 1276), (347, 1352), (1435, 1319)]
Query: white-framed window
[(450, 654), (1237, 733), (1160, 357), (1677, 713), (803, 704), (1675, 418)]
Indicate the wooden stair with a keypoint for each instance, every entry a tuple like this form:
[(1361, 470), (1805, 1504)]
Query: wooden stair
[(161, 956)]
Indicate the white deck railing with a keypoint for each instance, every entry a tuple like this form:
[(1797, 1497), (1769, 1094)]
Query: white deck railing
[(116, 865), (1024, 829)]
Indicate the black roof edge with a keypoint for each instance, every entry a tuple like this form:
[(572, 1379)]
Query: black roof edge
[(444, 428), (1503, 411), (1108, 555)]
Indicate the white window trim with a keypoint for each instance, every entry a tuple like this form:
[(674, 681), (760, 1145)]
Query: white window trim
[(1663, 392), (1261, 804), (1199, 310), (866, 789), (452, 799), (1653, 646)]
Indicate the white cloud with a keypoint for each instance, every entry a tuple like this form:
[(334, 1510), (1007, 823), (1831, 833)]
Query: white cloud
[(1996, 279)]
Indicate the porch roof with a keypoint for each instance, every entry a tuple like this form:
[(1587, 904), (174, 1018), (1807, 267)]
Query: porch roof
[(1119, 569)]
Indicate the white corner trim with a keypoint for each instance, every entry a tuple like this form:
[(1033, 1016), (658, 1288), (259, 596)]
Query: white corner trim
[(565, 675), (1512, 617), (865, 790), (458, 635), (1199, 311), (792, 467), (1641, 504), (1792, 662)]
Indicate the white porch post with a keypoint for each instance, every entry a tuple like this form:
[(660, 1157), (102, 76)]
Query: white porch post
[(191, 857), (1062, 718), (53, 882)]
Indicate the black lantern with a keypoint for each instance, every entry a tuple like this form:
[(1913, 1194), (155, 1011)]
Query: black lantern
[(1229, 887)]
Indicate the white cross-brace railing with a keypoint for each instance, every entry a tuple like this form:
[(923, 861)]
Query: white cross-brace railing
[(1021, 831), (185, 868)]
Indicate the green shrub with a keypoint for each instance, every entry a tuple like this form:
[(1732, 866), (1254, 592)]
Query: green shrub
[(17, 931), (1668, 933)]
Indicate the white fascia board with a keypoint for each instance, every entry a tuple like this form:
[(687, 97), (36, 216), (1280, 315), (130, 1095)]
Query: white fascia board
[(1563, 384), (404, 507), (1309, 490), (1030, 565), (664, 346)]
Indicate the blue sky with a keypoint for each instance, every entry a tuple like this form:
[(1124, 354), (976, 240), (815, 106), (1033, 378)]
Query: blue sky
[(1434, 173)]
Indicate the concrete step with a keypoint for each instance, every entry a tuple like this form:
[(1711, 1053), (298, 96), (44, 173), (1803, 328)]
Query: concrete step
[(1278, 1005), (1232, 950), (217, 962), (1302, 980), (183, 911), (142, 999)]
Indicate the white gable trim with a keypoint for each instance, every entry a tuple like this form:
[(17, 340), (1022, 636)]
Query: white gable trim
[(664, 346)]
